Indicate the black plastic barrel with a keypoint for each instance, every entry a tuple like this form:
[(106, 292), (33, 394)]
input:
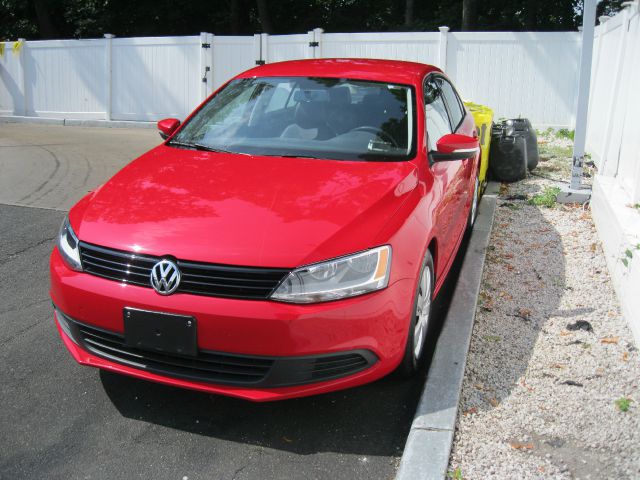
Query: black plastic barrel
[(508, 158), (522, 127)]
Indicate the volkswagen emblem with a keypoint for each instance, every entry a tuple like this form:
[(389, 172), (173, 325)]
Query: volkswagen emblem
[(165, 277)]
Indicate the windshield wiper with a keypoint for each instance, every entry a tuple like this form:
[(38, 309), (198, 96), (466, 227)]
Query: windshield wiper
[(207, 148), (294, 156), (204, 148)]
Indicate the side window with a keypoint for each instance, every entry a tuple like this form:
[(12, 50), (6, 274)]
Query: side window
[(453, 102), (436, 116)]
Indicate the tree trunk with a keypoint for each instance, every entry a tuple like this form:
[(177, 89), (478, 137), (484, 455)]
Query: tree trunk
[(408, 13), (235, 17), (45, 25), (265, 19), (530, 15), (469, 14)]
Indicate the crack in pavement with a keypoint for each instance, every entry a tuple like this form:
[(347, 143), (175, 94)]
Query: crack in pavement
[(13, 255)]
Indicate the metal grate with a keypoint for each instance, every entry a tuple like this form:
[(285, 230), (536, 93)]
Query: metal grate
[(197, 278)]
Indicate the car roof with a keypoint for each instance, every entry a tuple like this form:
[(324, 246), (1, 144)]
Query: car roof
[(395, 71)]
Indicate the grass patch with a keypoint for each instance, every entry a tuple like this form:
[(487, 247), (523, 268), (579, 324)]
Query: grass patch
[(623, 404), (455, 474), (556, 151), (545, 199), (492, 338)]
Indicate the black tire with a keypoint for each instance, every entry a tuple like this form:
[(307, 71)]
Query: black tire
[(410, 362)]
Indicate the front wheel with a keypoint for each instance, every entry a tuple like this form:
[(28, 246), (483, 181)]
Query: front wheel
[(419, 325), (473, 211)]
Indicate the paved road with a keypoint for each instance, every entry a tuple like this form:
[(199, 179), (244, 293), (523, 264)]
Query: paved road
[(60, 420), (54, 166)]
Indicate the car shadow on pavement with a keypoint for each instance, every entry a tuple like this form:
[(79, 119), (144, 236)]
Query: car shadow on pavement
[(373, 419)]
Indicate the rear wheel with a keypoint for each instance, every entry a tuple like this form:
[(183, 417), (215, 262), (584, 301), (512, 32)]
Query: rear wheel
[(419, 326)]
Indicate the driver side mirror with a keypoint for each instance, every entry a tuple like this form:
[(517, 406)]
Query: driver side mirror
[(167, 127), (454, 147)]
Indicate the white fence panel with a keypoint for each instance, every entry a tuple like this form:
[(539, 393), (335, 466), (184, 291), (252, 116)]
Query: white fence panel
[(11, 94), (286, 47), (232, 55), (528, 74), (414, 46), (525, 74), (154, 78), (65, 77), (609, 38)]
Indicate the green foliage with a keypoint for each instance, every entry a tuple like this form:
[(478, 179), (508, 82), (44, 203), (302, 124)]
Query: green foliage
[(623, 404), (627, 255), (565, 133), (455, 474), (33, 19), (545, 199)]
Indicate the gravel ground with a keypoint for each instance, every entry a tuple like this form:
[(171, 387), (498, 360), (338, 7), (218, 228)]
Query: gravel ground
[(551, 385)]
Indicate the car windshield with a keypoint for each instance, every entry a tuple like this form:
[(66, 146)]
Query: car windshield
[(327, 118)]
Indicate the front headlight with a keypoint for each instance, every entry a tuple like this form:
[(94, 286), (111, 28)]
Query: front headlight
[(340, 278), (68, 246)]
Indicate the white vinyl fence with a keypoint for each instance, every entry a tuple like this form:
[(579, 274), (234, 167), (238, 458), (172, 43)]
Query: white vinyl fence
[(613, 128), (518, 74)]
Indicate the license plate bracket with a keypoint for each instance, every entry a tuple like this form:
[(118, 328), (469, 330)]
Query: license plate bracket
[(160, 332)]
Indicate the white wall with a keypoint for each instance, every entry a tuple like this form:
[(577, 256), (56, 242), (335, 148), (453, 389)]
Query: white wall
[(517, 74), (613, 140), (613, 128)]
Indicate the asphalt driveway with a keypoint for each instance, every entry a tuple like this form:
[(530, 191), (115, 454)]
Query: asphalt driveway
[(60, 420)]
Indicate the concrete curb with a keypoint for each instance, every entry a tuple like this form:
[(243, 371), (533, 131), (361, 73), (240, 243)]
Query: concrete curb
[(426, 453), (70, 122)]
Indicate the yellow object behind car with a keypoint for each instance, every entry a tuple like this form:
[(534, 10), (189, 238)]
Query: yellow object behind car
[(483, 117)]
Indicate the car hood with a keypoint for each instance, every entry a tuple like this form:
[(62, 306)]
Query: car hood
[(241, 209)]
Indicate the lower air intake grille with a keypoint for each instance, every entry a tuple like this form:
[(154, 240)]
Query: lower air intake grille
[(217, 367)]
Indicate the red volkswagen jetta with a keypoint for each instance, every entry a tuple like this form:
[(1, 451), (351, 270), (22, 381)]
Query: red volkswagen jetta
[(286, 240)]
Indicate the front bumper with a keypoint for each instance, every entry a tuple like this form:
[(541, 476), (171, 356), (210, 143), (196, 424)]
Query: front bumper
[(367, 332)]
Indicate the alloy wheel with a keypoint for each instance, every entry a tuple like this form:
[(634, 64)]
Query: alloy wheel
[(422, 313)]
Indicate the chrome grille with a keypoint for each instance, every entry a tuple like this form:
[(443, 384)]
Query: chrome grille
[(197, 278)]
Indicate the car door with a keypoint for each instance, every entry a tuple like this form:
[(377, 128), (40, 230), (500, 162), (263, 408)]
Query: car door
[(445, 174), (463, 124)]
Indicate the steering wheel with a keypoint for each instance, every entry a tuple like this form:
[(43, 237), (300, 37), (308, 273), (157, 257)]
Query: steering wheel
[(378, 132)]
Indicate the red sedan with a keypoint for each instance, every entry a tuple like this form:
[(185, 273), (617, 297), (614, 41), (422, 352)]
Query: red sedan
[(286, 240)]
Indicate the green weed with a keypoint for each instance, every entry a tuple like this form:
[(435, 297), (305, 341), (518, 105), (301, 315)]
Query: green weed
[(456, 474), (565, 133), (545, 199), (623, 404)]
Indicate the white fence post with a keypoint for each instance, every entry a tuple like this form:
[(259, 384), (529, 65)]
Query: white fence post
[(206, 64), (204, 47), (442, 48), (212, 38), (317, 38), (615, 88), (264, 47), (311, 50), (109, 77), (24, 81), (584, 84)]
